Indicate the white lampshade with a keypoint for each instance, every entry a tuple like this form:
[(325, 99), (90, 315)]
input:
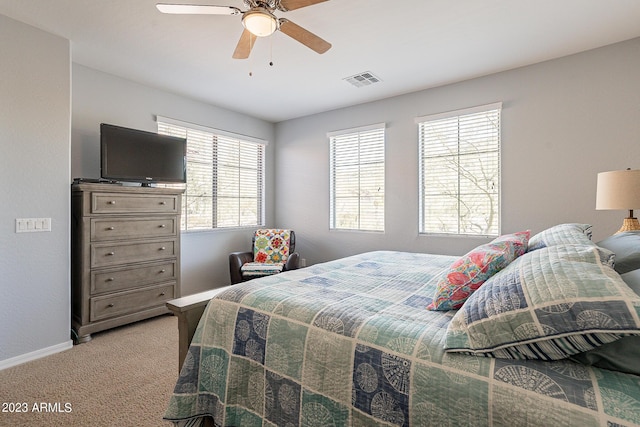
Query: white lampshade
[(260, 23), (620, 190)]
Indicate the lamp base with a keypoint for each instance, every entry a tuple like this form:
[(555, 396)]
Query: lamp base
[(629, 224)]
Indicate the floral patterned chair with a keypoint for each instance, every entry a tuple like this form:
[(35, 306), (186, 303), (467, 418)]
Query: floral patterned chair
[(273, 252)]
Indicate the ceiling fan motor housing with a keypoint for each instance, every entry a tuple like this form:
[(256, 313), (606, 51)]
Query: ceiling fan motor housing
[(269, 4)]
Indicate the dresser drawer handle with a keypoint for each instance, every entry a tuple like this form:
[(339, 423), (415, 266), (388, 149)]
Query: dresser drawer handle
[(110, 305), (112, 202), (111, 253), (110, 279), (111, 228), (162, 226), (163, 271), (163, 203), (162, 294), (162, 248)]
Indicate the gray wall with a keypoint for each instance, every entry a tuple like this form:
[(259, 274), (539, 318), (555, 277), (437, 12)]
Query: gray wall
[(35, 113), (563, 122), (99, 97)]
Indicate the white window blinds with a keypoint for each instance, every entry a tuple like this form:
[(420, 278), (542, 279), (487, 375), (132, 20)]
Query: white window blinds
[(225, 178), (459, 161), (357, 179)]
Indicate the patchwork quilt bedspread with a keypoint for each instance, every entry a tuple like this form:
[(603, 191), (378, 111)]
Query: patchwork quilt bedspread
[(350, 343)]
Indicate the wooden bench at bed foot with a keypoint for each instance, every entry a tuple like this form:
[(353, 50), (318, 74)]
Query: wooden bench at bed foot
[(189, 309)]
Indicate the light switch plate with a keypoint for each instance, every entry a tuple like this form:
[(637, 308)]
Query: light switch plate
[(32, 225)]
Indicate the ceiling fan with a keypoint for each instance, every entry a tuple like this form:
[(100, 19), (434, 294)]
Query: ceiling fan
[(258, 21)]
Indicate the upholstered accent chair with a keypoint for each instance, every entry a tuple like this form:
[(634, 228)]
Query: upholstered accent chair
[(273, 252)]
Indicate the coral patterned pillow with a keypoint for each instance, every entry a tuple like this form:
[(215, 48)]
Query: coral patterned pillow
[(271, 246), (470, 271)]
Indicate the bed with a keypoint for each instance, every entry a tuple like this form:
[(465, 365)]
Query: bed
[(351, 342)]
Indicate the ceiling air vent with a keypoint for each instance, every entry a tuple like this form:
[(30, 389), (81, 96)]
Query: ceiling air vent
[(363, 79)]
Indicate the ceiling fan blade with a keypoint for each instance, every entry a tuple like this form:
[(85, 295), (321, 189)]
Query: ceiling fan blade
[(194, 9), (245, 44), (286, 5), (305, 37)]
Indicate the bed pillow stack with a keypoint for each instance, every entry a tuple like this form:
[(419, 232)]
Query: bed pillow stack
[(470, 271), (559, 299)]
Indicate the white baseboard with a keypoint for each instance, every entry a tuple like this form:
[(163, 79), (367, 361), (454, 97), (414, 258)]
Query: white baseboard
[(38, 354)]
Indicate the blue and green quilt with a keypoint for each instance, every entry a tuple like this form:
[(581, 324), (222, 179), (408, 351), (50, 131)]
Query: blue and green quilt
[(350, 343)]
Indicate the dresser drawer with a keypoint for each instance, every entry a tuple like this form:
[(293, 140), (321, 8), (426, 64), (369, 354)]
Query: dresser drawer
[(106, 254), (130, 302), (114, 203), (132, 228), (117, 279)]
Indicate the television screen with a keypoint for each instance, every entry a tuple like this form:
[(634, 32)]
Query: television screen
[(132, 155)]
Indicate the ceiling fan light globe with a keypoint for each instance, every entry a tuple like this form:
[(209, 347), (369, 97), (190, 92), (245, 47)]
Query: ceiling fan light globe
[(260, 23)]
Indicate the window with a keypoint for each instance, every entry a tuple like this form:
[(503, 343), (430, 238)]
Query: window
[(357, 179), (225, 177), (459, 156)]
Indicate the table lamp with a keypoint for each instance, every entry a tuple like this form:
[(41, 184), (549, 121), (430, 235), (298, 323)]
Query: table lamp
[(620, 190)]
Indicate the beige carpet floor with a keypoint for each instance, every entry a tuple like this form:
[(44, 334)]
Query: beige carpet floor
[(123, 377)]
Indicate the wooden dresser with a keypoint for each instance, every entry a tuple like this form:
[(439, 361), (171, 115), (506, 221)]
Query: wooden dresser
[(125, 261)]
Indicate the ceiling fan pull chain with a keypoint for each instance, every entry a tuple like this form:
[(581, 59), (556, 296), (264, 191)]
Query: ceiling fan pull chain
[(271, 51), (251, 42)]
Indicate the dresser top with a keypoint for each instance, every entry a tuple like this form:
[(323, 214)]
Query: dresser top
[(119, 188)]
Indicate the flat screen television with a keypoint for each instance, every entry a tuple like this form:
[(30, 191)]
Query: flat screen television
[(132, 155)]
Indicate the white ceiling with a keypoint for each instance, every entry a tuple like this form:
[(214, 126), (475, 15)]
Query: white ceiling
[(409, 44)]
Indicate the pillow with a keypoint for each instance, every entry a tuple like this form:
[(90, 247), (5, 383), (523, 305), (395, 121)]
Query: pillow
[(271, 246), (561, 234), (469, 272), (548, 304), (632, 279), (621, 355), (626, 246)]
